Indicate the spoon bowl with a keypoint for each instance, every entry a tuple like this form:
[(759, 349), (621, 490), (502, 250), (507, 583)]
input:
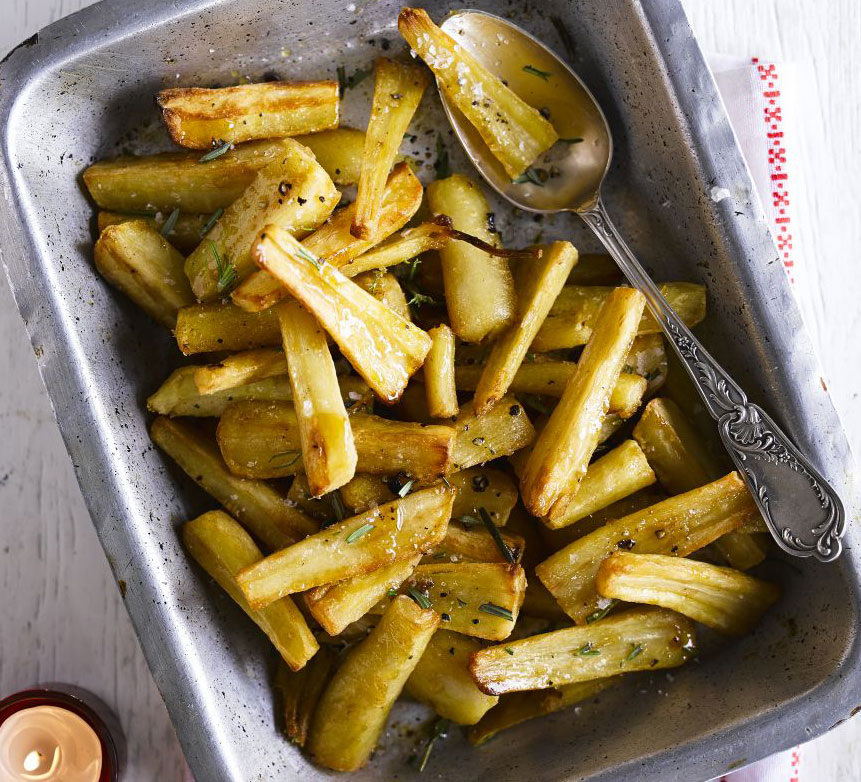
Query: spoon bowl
[(571, 172), (802, 511)]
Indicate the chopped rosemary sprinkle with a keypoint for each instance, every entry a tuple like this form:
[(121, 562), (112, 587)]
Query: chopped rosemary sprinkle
[(405, 489), (587, 650), (418, 298), (414, 264), (210, 224), (170, 223), (495, 610), (536, 72), (226, 270), (420, 597), (303, 253), (348, 82), (441, 166), (358, 533), (461, 603), (338, 506), (296, 455), (601, 612), (636, 651), (440, 731), (391, 592), (497, 538), (575, 140), (529, 177), (220, 150), (509, 650)]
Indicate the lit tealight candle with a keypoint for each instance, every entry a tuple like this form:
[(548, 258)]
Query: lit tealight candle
[(49, 744)]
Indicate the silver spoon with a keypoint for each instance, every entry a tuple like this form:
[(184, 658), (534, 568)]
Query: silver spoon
[(802, 511)]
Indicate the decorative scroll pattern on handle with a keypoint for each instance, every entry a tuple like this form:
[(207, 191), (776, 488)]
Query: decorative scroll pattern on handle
[(759, 449)]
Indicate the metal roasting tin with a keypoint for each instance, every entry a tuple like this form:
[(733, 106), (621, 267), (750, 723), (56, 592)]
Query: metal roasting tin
[(81, 89)]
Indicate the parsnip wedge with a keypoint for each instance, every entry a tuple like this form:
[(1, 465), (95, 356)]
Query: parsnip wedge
[(335, 606), (204, 328), (360, 544), (339, 151), (442, 679), (635, 640), (398, 90), (178, 180), (334, 243), (293, 192), (384, 349), (185, 234), (222, 548), (483, 487), (538, 284), (718, 597), (353, 710), (514, 132), (328, 450), (257, 505), (517, 707), (479, 599), (238, 369), (261, 440), (504, 430), (564, 447), (475, 544), (439, 376), (386, 289), (679, 525), (202, 118), (138, 260), (300, 691)]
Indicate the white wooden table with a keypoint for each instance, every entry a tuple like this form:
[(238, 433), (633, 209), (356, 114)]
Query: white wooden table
[(62, 615)]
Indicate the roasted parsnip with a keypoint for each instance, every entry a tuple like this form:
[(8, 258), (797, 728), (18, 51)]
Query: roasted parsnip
[(479, 288), (538, 284), (320, 508), (517, 707), (185, 234), (353, 709), (178, 180), (403, 246), (439, 374), (203, 328), (619, 473), (442, 680), (563, 449), (595, 269), (334, 243), (365, 491), (293, 193), (222, 548), (384, 349), (475, 544), (339, 151), (572, 317), (718, 597), (483, 487), (201, 118), (257, 505), (300, 691), (335, 606), (261, 440), (478, 599), (395, 531), (239, 369), (679, 525), (398, 90), (328, 451), (386, 289), (635, 640), (502, 431), (514, 132), (138, 260)]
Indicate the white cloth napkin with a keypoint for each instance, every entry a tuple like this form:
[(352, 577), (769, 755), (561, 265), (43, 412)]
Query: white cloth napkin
[(758, 99)]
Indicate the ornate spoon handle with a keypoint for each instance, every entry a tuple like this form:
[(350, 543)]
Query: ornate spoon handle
[(802, 511)]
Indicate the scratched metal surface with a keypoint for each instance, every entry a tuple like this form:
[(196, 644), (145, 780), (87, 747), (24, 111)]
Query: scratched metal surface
[(80, 92)]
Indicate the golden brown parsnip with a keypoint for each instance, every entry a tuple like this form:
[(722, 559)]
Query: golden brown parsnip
[(384, 349), (538, 284), (339, 151), (479, 288), (474, 543), (139, 261), (222, 548), (239, 369), (257, 505), (483, 487), (501, 432), (564, 447), (718, 597), (204, 328), (398, 90), (679, 525), (185, 235), (300, 691), (439, 376), (635, 640), (202, 118), (358, 545), (353, 710), (442, 679), (514, 132), (386, 289), (293, 193)]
